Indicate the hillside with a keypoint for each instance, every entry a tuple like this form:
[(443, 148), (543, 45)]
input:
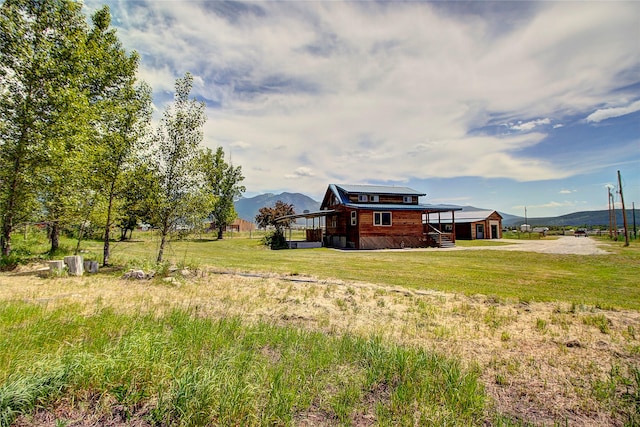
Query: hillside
[(576, 219), (247, 208)]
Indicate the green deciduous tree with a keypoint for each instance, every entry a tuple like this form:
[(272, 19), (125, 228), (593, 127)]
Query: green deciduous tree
[(39, 76), (224, 181), (122, 114), (178, 159), (141, 185), (71, 115)]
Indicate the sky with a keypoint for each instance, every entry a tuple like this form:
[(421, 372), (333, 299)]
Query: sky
[(500, 105)]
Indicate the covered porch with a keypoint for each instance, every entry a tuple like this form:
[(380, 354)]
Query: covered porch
[(313, 235), (437, 231)]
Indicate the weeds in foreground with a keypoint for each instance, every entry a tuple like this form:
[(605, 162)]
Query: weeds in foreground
[(196, 371), (600, 321)]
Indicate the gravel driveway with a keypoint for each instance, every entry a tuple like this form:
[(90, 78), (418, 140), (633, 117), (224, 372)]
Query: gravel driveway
[(562, 245)]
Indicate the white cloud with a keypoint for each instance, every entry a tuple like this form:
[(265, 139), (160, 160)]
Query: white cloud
[(608, 113), (528, 126), (301, 172), (566, 191), (241, 145), (358, 92)]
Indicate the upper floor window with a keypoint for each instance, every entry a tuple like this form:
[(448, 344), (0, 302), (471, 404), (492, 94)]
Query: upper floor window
[(407, 199), (363, 198), (382, 218), (373, 198)]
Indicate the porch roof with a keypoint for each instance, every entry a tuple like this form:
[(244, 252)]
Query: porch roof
[(464, 217), (315, 214)]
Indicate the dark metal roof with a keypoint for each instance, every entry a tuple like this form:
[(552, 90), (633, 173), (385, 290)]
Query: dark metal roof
[(378, 189)]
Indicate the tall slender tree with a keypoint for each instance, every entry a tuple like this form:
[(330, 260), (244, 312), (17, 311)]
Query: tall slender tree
[(39, 69), (178, 152), (70, 113), (123, 138), (224, 181), (123, 113)]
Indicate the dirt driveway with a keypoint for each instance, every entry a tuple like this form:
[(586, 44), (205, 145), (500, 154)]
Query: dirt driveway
[(562, 245)]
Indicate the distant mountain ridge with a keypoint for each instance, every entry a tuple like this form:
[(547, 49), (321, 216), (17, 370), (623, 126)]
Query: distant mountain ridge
[(247, 209), (576, 219)]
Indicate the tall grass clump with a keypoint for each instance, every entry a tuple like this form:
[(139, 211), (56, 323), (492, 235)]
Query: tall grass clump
[(190, 371)]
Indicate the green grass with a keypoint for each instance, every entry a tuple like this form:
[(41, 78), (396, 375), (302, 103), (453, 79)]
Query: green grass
[(181, 369), (607, 281), (191, 371)]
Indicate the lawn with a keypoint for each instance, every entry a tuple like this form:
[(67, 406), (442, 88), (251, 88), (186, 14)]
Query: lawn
[(599, 280), (322, 337)]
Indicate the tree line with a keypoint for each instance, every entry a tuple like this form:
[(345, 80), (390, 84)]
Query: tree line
[(77, 145)]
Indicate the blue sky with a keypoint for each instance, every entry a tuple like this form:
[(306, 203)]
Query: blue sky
[(499, 105)]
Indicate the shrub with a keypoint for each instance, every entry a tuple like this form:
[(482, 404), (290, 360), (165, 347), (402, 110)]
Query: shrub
[(275, 240)]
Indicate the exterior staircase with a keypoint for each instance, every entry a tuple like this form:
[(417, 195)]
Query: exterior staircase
[(446, 242), (440, 240)]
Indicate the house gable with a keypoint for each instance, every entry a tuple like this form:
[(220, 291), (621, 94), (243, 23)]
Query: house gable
[(365, 195)]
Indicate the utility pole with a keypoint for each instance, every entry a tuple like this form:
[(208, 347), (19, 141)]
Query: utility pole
[(613, 216), (624, 213), (635, 230), (613, 233), (609, 210)]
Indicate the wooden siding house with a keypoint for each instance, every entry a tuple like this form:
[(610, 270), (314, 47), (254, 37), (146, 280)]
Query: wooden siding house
[(382, 217), (472, 225)]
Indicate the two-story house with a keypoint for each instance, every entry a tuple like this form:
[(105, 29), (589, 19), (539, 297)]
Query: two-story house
[(383, 217)]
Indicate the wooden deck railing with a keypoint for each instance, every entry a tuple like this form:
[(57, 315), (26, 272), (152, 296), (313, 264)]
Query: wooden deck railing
[(439, 238)]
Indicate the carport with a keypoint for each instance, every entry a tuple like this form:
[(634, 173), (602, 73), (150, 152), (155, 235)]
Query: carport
[(313, 235)]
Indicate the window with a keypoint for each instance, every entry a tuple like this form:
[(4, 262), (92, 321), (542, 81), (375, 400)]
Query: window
[(374, 199), (334, 221), (407, 199), (363, 198), (354, 218), (382, 218)]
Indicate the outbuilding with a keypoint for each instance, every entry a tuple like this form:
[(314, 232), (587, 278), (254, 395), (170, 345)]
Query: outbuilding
[(473, 224)]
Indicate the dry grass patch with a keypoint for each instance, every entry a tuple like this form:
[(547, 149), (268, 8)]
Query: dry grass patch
[(543, 363)]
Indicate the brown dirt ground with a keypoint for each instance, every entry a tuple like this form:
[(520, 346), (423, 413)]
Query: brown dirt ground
[(539, 361)]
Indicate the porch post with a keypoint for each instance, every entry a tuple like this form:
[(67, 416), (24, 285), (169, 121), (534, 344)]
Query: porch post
[(453, 226)]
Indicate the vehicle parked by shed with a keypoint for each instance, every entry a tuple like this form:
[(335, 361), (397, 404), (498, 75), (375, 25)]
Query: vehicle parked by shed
[(581, 232)]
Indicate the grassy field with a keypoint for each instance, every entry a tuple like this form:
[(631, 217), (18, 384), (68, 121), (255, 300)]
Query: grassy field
[(605, 281), (323, 337), (178, 369)]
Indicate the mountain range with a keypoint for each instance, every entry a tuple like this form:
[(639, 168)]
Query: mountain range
[(247, 209)]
